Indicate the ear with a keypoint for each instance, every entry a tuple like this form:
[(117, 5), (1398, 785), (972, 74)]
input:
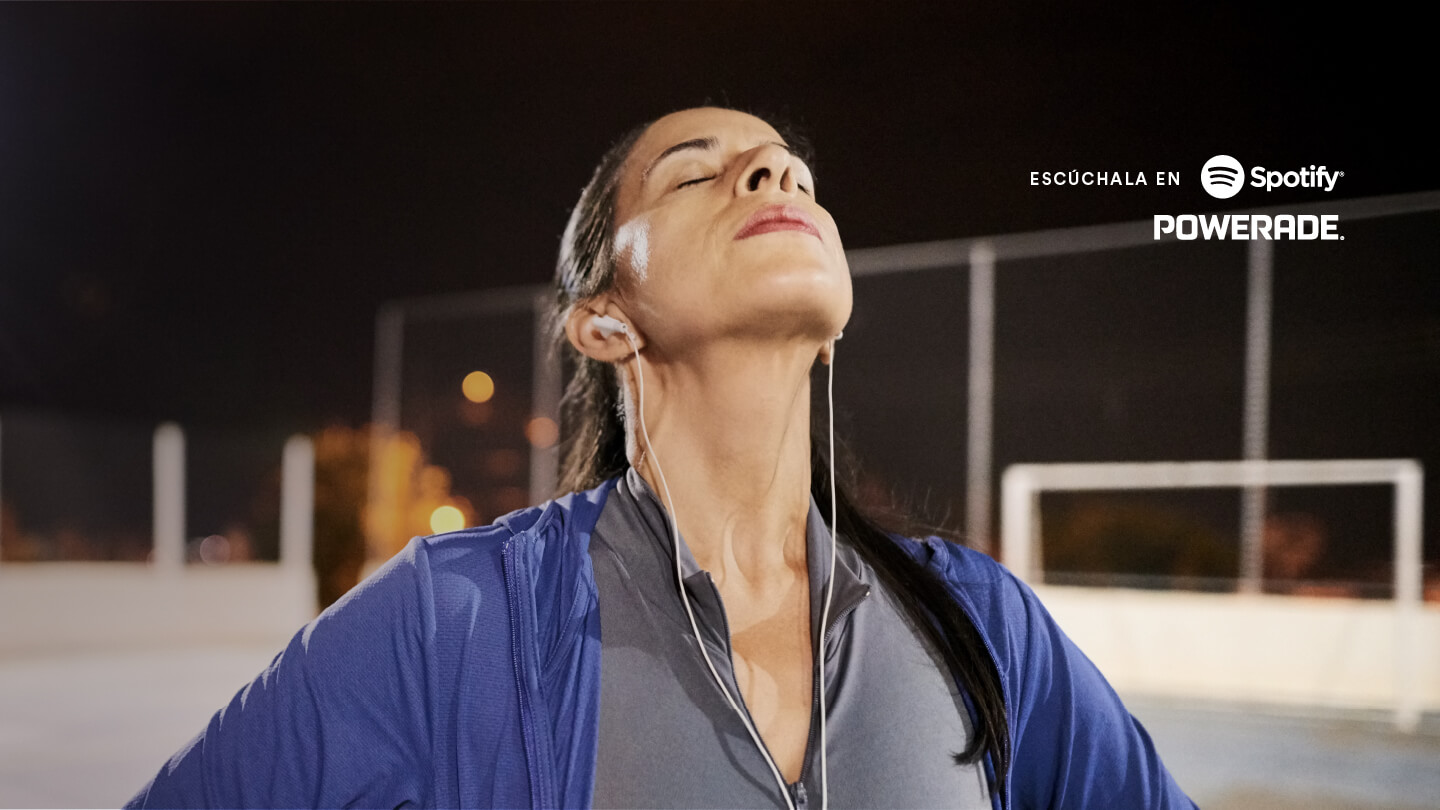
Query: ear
[(582, 334), (826, 349)]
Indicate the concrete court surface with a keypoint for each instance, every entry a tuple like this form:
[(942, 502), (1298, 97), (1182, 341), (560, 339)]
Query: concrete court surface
[(87, 730), (1236, 757)]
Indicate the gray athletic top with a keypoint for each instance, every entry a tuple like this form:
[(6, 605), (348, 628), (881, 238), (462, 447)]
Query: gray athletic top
[(668, 737)]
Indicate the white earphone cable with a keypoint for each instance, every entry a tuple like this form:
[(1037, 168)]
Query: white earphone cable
[(679, 580), (829, 583)]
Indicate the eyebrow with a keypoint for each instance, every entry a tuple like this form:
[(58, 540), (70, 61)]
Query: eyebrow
[(703, 144)]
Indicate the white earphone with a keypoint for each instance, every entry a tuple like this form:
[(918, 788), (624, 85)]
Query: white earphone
[(607, 326)]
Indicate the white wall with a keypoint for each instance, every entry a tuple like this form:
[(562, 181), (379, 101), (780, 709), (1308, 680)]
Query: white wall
[(1275, 649), (72, 606)]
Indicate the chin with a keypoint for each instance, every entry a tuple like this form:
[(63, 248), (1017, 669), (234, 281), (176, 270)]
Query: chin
[(792, 256), (812, 300)]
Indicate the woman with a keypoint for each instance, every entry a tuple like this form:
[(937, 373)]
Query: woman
[(699, 281)]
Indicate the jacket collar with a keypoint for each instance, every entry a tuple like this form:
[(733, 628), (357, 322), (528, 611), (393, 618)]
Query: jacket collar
[(574, 512), (656, 550)]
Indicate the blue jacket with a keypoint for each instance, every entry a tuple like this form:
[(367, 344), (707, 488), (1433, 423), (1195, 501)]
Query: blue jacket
[(466, 673)]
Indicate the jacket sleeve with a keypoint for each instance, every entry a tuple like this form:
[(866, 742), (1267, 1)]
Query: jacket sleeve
[(339, 717), (1075, 745)]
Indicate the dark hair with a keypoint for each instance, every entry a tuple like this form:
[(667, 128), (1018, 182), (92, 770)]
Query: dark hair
[(592, 449)]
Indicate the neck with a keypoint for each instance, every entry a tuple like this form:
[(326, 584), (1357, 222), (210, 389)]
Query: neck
[(731, 429)]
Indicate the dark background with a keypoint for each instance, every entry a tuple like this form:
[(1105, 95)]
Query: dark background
[(202, 205)]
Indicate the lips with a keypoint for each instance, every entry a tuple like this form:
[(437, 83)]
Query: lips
[(778, 217)]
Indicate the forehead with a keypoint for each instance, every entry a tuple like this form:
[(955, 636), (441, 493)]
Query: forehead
[(735, 131), (703, 121)]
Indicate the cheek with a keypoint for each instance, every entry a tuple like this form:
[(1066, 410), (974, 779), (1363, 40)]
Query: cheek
[(678, 250), (632, 245), (675, 269), (832, 233)]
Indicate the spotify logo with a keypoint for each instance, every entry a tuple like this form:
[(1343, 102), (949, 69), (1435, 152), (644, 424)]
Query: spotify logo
[(1222, 177)]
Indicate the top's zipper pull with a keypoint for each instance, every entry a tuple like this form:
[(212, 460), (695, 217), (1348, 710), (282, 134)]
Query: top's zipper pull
[(798, 796)]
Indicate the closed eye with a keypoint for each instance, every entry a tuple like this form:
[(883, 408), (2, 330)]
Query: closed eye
[(696, 181)]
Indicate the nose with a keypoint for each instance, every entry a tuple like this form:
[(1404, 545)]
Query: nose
[(767, 168)]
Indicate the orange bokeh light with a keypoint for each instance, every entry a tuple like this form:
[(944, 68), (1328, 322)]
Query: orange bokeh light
[(446, 519), (478, 386), (542, 432)]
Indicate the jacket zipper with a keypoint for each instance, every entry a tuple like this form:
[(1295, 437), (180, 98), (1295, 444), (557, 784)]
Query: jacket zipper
[(815, 698), (538, 799), (798, 795), (797, 788)]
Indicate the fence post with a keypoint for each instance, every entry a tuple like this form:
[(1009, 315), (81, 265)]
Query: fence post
[(980, 436), (384, 424), (546, 389), (1256, 417), (1409, 583), (297, 504), (169, 498)]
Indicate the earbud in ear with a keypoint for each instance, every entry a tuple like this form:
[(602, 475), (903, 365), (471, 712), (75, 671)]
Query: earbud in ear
[(839, 335), (607, 326)]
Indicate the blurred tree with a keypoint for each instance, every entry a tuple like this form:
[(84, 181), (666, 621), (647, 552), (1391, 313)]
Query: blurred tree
[(14, 546), (1101, 536), (413, 491), (1294, 544), (341, 467)]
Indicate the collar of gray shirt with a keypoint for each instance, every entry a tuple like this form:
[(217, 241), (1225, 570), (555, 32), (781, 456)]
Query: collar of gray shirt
[(651, 558)]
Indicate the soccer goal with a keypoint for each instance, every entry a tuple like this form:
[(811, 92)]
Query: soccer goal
[(1022, 485)]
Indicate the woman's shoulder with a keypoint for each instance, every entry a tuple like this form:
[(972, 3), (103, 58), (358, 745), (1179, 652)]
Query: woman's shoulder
[(1004, 606), (958, 563)]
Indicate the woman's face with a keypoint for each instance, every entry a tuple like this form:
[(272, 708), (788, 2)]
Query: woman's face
[(719, 235)]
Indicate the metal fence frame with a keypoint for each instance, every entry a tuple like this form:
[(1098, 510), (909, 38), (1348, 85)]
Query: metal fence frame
[(983, 257)]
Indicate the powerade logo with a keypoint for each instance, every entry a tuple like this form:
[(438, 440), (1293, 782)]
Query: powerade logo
[(1303, 227), (1222, 177)]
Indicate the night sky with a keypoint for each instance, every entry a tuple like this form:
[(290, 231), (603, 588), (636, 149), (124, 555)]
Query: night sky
[(205, 204)]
